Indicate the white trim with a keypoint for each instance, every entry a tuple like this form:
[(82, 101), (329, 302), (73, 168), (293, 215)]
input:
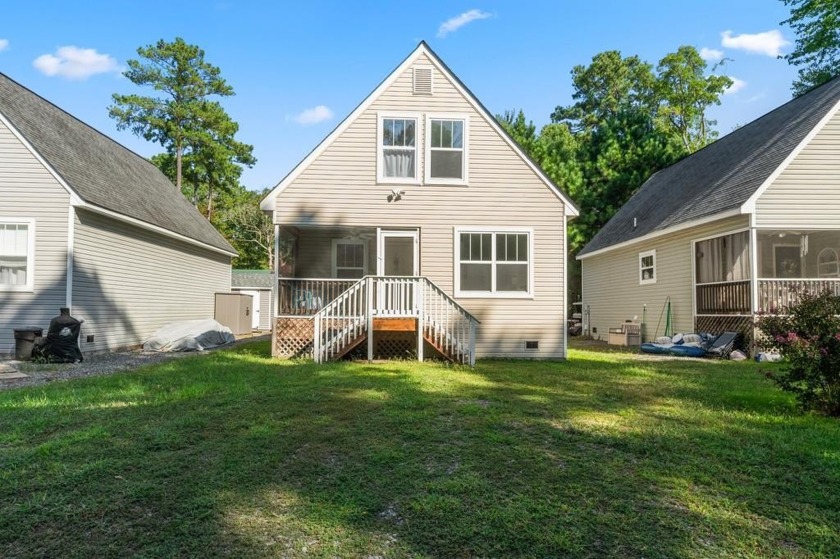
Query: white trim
[(74, 196), (716, 235), (493, 230), (662, 232), (267, 203), (754, 268), (836, 262), (29, 286), (348, 241), (71, 234), (380, 167), (566, 289), (465, 166), (643, 255), (380, 248), (275, 288), (693, 247), (750, 205), (428, 67), (150, 227)]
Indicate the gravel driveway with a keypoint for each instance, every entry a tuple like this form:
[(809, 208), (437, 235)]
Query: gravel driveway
[(96, 364)]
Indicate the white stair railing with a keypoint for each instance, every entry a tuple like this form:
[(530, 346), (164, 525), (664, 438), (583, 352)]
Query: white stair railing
[(447, 325), (340, 322)]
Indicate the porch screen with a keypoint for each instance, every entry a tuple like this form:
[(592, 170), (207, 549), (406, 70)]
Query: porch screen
[(725, 258)]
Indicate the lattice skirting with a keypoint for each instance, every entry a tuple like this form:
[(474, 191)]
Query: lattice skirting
[(727, 323), (293, 337), (394, 345)]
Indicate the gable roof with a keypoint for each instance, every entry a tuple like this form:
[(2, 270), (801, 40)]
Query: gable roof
[(723, 178), (267, 203), (252, 278), (100, 173)]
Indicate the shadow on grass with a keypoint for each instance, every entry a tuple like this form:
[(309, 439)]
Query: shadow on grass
[(235, 454)]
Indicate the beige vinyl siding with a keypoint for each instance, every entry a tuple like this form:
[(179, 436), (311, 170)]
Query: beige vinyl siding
[(128, 282), (28, 190), (339, 189), (806, 195), (611, 286)]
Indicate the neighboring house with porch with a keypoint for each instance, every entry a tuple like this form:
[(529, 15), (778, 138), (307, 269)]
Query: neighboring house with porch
[(733, 230), (87, 224), (419, 227)]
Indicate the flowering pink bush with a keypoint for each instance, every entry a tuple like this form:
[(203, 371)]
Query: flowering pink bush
[(808, 337)]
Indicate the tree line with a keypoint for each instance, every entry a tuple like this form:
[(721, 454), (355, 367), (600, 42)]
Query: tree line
[(629, 119)]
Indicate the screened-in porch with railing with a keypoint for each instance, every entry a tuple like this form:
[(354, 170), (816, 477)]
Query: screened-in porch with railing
[(358, 291), (788, 262)]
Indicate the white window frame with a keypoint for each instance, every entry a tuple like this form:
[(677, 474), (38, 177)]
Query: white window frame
[(466, 149), (348, 241), (493, 294), (29, 286), (836, 269), (380, 156), (642, 256)]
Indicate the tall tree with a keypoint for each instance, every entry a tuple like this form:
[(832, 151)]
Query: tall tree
[(685, 93), (249, 229), (184, 120), (817, 49)]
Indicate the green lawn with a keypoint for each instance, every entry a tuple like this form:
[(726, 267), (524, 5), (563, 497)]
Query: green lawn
[(233, 454)]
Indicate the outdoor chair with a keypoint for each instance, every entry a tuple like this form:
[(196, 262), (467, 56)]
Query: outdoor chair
[(630, 333), (723, 345)]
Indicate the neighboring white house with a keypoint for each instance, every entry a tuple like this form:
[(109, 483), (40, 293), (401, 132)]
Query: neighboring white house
[(462, 236), (87, 224), (259, 284), (733, 230)]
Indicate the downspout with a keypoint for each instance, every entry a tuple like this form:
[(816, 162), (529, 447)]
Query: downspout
[(71, 235), (566, 287)]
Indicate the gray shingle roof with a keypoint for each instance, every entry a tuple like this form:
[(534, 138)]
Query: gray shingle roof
[(721, 176), (251, 278), (101, 171)]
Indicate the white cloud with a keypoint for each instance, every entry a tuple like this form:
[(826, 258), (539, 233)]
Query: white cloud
[(737, 85), (453, 24), (769, 43), (75, 63), (710, 54), (314, 115), (4, 44)]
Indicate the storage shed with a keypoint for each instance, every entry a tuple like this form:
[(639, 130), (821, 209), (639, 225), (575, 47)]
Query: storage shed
[(258, 284)]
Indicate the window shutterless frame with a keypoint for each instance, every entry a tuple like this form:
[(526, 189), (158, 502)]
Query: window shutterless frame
[(444, 145), (647, 267), (491, 258), (396, 144), (16, 252), (340, 269)]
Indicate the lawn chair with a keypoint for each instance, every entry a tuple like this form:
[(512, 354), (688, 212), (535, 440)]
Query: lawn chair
[(723, 345)]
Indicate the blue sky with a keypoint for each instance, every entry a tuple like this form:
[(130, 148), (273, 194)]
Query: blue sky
[(299, 68)]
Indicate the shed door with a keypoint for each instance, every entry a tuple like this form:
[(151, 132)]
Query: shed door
[(255, 308)]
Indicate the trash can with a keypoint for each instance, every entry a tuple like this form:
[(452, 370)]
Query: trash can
[(25, 342)]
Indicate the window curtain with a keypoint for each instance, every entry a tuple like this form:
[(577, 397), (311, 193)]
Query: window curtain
[(725, 258), (12, 271), (399, 163)]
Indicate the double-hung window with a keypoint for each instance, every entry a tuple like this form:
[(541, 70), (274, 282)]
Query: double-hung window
[(16, 254), (349, 258), (494, 263), (647, 267), (446, 150), (397, 158)]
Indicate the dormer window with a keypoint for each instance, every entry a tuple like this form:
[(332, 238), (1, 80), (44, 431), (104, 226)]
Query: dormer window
[(397, 161)]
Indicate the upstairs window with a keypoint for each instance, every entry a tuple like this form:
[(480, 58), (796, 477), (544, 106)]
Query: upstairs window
[(446, 161), (16, 252), (397, 149), (647, 267)]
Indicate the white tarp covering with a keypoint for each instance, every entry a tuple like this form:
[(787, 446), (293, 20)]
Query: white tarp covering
[(189, 335)]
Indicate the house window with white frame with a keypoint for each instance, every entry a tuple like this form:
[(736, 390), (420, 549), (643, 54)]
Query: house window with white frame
[(349, 258), (16, 254), (398, 149), (446, 154), (494, 263), (647, 267)]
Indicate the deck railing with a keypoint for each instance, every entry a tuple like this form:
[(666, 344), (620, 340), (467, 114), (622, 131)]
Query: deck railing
[(724, 297), (441, 321), (775, 295), (306, 296)]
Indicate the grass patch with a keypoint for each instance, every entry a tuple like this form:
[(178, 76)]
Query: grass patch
[(235, 454)]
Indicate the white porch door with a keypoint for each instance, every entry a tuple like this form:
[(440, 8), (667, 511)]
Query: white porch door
[(255, 308), (397, 253)]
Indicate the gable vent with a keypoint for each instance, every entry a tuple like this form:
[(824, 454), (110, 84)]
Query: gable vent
[(423, 80)]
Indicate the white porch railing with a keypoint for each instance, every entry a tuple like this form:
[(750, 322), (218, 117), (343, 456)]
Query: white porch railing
[(441, 321), (775, 295)]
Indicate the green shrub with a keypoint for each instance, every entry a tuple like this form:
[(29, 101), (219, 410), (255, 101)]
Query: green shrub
[(808, 337)]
